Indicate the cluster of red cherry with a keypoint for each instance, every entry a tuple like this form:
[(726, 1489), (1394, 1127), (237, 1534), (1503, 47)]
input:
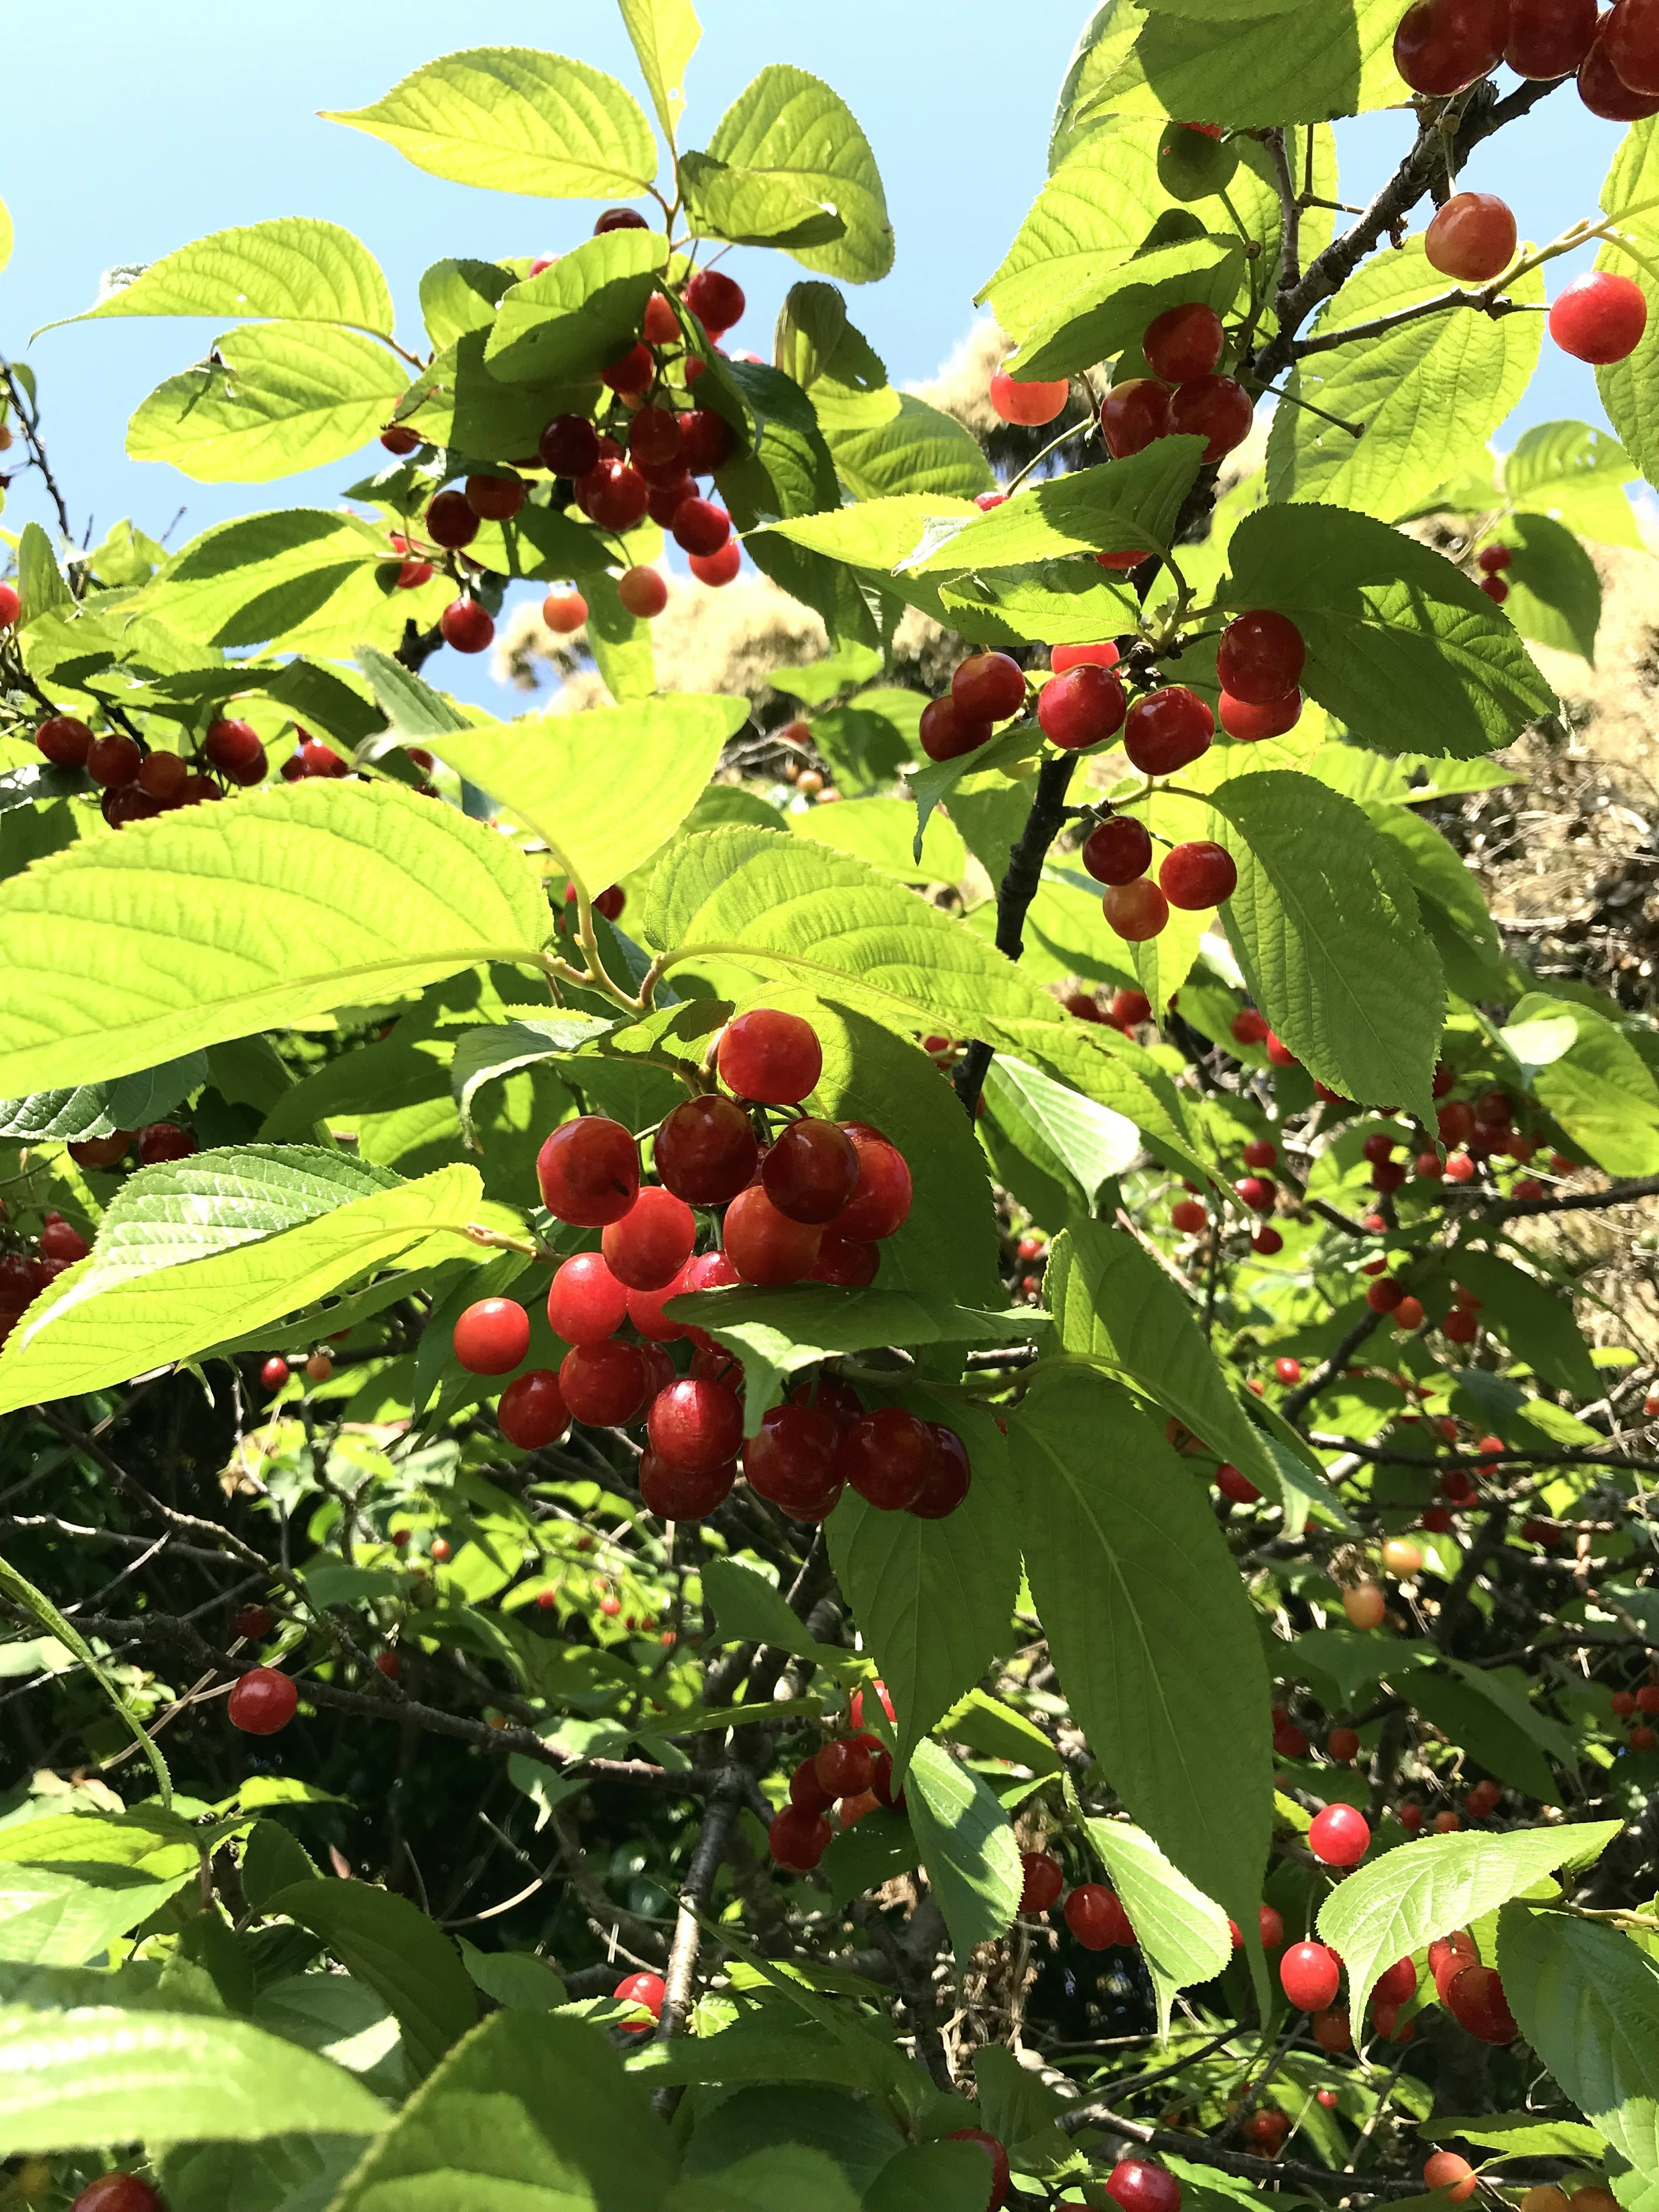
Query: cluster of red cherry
[(811, 1203), (1444, 47), (854, 1771), (138, 785), (1628, 1704), (24, 1274), (1256, 1192), (1093, 1912)]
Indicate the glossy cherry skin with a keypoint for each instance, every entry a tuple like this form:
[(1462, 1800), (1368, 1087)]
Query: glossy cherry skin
[(1441, 45), (467, 626), (1043, 1881), (646, 1249), (1260, 656), (1599, 317), (1600, 87), (846, 1264), (717, 569), (620, 218), (696, 1426), (706, 440), (1341, 1836), (645, 1990), (772, 1057), (677, 1493), (798, 1840), (117, 2192), (946, 732), (810, 1172), (1136, 911), (997, 2156), (700, 526), (631, 372), (1215, 408), (564, 612), (263, 1701), (162, 1141), (1309, 1976), (531, 1410), (1474, 1998), (1139, 2186), (64, 739), (10, 606), (706, 1150), (1118, 851), (492, 1336), (989, 687), (1247, 724), (845, 1768), (667, 499), (1471, 238), (947, 1481), (1235, 1485), (604, 1384), (791, 1460), (1095, 1916), (1029, 403), (716, 300), (643, 592), (1183, 342), (1197, 875), (1167, 729), (1632, 41), (586, 1302), (1446, 2170), (764, 1246), (397, 438), (613, 495), (589, 1171), (1084, 707), (656, 443), (496, 499), (570, 446), (1132, 415), (113, 759), (274, 1372), (880, 1204), (887, 1457)]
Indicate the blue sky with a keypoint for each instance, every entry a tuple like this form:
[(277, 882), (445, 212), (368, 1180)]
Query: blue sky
[(130, 131)]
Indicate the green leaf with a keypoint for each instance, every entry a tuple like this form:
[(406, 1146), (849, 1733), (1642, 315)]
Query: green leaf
[(49, 1917), (783, 2174), (791, 126), (1066, 1136), (1183, 1934), (1324, 59), (875, 534), (1407, 1897), (929, 2176), (1111, 312), (1555, 594), (285, 903), (1326, 930), (933, 1599), (1533, 1319), (1467, 1717), (918, 450), (620, 643), (458, 296), (483, 1055), (21, 1592), (40, 583), (968, 1848), (606, 788), (664, 35), (295, 269), (880, 830), (1125, 503), (1576, 476), (1449, 903), (277, 398), (514, 121), (1517, 2134), (1630, 197), (297, 573), (104, 2077), (390, 1944), (97, 1109), (575, 319), (1598, 1087), (1151, 1629), (1091, 215), (1424, 395), (1403, 648), (857, 2134), (173, 1313), (754, 207), (749, 1609), (455, 401)]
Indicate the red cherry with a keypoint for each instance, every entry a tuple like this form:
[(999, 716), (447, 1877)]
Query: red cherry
[(1135, 911), (1600, 87), (1258, 1193), (604, 1384), (1259, 657), (1095, 1916), (274, 1372), (1471, 238), (60, 1240), (620, 218), (586, 1304), (844, 1768), (811, 1171), (764, 1246), (1084, 707), (1271, 1926), (1167, 729), (467, 626), (564, 611), (1183, 342), (1280, 1052), (998, 2158), (1599, 317), (791, 1461), (1139, 2186), (1234, 1485), (1197, 875), (646, 1249), (253, 1622), (770, 1056), (1247, 724), (322, 760), (117, 2192), (570, 446), (1339, 1836), (263, 1701), (1441, 45), (631, 372), (492, 1336), (1130, 1008), (1632, 41), (676, 1493), (1248, 1027), (1188, 1216), (65, 740), (450, 521), (989, 687), (705, 440), (643, 592), (1102, 654), (661, 325), (700, 526), (1215, 408), (717, 569), (647, 1990), (10, 606), (1260, 1152), (947, 1481), (880, 1204), (1028, 403), (1044, 1882), (397, 438), (1446, 2170), (715, 299), (411, 574), (163, 776), (1133, 415), (496, 499), (163, 1141), (696, 1426), (798, 1840), (531, 1410), (844, 1262), (1309, 1976), (589, 1172), (1623, 1704), (113, 759), (667, 499), (656, 443), (706, 1150), (887, 1457), (613, 495), (946, 732)]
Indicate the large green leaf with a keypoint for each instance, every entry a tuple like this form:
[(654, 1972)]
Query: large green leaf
[(754, 207), (873, 533), (1424, 395), (1151, 1629), (1630, 197), (1595, 1082), (664, 35), (1069, 1138), (1183, 1934), (1111, 312), (390, 1944), (97, 1109), (49, 1918), (103, 2076), (574, 319), (605, 788), (918, 449), (1403, 648), (173, 1313), (1555, 594), (1132, 503), (1535, 1320), (514, 121), (295, 269), (1326, 930), (1210, 65), (927, 2177), (207, 925), (1090, 217), (1407, 1897), (967, 1846), (789, 125), (297, 573), (1576, 476)]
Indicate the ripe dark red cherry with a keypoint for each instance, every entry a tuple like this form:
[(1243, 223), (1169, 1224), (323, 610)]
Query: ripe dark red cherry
[(586, 1304), (845, 1262), (1246, 724), (1183, 342), (1631, 39), (114, 760), (450, 521), (1139, 2186), (1216, 409), (320, 760), (117, 2192), (707, 1151), (697, 1426), (1095, 1916), (1197, 875), (467, 625), (620, 218), (631, 372), (1029, 403), (700, 526), (531, 1410), (798, 1840), (604, 1384), (705, 440), (646, 1249), (1188, 1215), (64, 739), (946, 732), (570, 446), (1441, 45), (164, 776), (1084, 707), (253, 1622), (1168, 729), (1134, 415), (1119, 850), (667, 499), (162, 1141), (1260, 1152), (1309, 1976), (770, 1056), (880, 1205), (1135, 911), (235, 750), (764, 1246), (1549, 37), (997, 2156), (811, 1171), (613, 495), (792, 1460), (1471, 238), (887, 1457), (656, 443), (845, 1768), (492, 1336), (1599, 317), (1600, 87), (397, 438), (643, 592), (716, 300), (678, 1493), (1259, 657), (947, 1481), (263, 1701), (496, 499), (716, 568), (1341, 1836), (1043, 1883), (989, 687), (647, 1990), (1235, 1486), (1495, 589), (274, 1372), (589, 1171), (10, 606)]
